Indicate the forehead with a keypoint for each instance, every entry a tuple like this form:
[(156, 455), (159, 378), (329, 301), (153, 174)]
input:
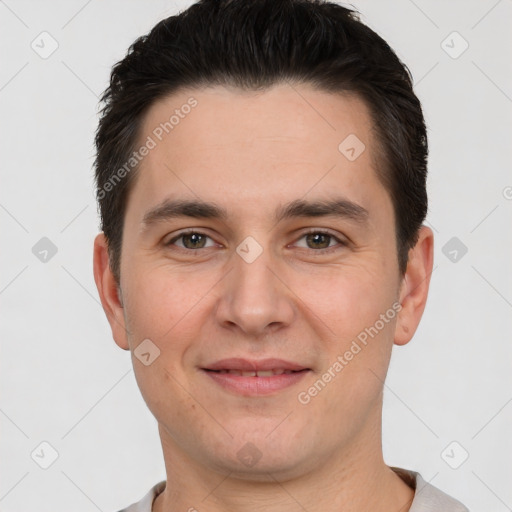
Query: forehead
[(283, 113), (256, 148)]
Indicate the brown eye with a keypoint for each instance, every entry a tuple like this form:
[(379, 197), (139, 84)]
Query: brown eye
[(318, 240), (321, 242), (190, 240), (193, 241)]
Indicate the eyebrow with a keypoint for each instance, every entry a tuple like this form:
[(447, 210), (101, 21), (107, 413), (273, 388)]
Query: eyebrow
[(198, 209)]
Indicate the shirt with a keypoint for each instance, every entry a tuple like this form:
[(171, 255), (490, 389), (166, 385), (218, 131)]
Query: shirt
[(427, 498)]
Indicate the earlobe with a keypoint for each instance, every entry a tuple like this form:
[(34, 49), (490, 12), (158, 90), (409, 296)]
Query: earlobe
[(415, 286), (109, 291)]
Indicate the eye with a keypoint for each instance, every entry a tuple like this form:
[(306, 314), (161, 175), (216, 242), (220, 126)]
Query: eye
[(191, 240), (320, 241)]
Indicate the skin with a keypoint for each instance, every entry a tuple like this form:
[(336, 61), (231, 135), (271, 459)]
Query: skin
[(250, 153)]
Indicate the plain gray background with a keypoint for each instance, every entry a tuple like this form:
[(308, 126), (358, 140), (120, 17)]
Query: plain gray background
[(65, 382)]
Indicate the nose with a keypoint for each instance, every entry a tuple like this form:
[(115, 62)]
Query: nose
[(255, 298)]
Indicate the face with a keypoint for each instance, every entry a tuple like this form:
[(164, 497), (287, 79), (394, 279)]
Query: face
[(293, 257)]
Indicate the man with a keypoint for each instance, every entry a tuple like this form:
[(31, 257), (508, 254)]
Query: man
[(261, 173)]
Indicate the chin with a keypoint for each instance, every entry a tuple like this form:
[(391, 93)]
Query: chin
[(253, 453), (267, 469)]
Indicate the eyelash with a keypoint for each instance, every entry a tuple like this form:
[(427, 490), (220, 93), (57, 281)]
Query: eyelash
[(326, 250)]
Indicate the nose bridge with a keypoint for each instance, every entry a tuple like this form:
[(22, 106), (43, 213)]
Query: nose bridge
[(253, 298), (253, 277)]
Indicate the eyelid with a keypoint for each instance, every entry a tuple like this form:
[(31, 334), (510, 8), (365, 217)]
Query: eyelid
[(323, 231), (188, 231)]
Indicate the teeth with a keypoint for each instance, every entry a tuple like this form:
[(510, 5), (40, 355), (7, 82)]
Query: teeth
[(261, 373), (265, 373), (240, 372)]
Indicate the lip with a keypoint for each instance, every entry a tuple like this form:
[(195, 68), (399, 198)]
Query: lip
[(238, 363), (254, 385)]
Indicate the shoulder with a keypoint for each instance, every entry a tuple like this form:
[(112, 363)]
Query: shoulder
[(145, 504), (428, 498)]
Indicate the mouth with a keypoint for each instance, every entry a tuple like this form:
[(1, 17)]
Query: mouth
[(255, 378), (259, 373)]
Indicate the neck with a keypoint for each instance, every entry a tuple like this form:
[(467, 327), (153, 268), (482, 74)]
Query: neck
[(351, 480)]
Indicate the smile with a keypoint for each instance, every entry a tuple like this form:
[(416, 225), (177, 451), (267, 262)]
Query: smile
[(255, 383), (259, 373)]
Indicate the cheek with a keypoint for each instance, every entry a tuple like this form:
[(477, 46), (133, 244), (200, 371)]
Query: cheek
[(158, 300), (160, 306), (347, 299), (357, 342), (165, 390), (357, 347)]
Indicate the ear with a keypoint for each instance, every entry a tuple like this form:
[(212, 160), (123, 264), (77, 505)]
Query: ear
[(110, 293), (415, 285)]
